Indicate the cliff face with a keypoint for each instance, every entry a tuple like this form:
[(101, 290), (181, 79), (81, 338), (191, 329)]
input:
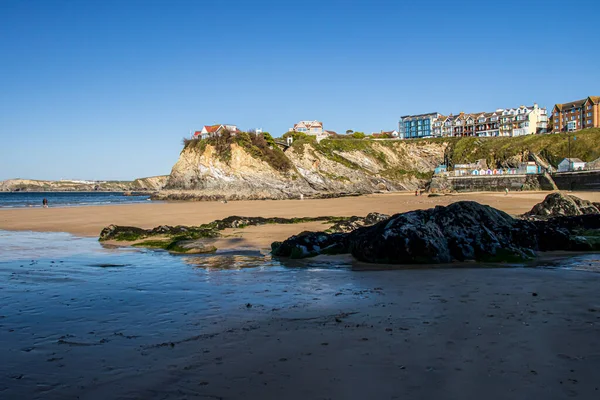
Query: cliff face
[(29, 185), (333, 167)]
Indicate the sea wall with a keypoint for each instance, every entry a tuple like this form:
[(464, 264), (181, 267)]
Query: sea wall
[(580, 180), (487, 183)]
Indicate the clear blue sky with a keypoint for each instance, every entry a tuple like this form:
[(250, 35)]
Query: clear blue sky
[(107, 89)]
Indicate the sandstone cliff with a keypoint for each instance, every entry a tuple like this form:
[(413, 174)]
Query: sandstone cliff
[(329, 168), (254, 167)]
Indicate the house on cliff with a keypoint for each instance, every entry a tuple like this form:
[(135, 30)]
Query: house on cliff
[(209, 131)]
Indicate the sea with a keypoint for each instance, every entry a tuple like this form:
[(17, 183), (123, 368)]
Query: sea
[(66, 199)]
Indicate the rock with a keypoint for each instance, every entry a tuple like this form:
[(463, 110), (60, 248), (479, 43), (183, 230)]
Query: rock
[(190, 247), (559, 204), (308, 244), (354, 223), (128, 233), (462, 231)]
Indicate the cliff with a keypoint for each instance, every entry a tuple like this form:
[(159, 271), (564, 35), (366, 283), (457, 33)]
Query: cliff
[(244, 169), (30, 185), (247, 166)]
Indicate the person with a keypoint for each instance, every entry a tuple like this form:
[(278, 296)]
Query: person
[(417, 192), (45, 203), (506, 191)]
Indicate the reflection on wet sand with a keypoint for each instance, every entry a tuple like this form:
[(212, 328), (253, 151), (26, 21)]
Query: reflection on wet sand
[(81, 321)]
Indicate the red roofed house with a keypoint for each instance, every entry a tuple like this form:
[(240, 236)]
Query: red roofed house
[(214, 130)]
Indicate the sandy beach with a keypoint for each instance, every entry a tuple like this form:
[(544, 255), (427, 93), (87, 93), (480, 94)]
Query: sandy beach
[(89, 221), (302, 332)]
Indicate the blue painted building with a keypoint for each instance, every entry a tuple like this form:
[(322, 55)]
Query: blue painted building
[(417, 126)]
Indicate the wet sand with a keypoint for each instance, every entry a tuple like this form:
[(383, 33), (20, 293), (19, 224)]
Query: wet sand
[(89, 221), (301, 333)]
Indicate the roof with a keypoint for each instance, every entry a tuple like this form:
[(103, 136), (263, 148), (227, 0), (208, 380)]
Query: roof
[(573, 160), (420, 115), (212, 128), (578, 103)]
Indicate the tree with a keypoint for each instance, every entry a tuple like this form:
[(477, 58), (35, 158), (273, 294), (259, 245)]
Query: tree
[(349, 132), (358, 135)]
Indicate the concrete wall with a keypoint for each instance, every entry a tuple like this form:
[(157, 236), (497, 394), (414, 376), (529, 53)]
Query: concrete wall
[(493, 183), (580, 180)]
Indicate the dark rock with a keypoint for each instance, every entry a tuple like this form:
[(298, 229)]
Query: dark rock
[(462, 231), (459, 232), (354, 223), (116, 232), (308, 244), (559, 204)]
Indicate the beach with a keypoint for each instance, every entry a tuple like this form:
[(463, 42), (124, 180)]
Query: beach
[(81, 319), (89, 221), (92, 323)]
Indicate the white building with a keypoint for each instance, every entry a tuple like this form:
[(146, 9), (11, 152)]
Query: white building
[(214, 130), (313, 128), (571, 164)]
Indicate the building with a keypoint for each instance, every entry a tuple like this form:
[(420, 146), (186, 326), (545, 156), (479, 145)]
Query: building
[(313, 128), (385, 134), (518, 121), (417, 126), (571, 164), (576, 115), (214, 130)]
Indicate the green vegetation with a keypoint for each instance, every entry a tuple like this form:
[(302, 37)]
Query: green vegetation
[(398, 173), (552, 147), (260, 146)]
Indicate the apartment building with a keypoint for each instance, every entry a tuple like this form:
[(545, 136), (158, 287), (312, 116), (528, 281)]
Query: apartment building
[(417, 126), (518, 121), (576, 115)]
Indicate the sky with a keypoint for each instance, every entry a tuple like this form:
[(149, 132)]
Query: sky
[(107, 89)]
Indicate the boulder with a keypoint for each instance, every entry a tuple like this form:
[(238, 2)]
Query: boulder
[(559, 204), (308, 244), (462, 231)]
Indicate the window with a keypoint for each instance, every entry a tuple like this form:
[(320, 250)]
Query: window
[(589, 121), (589, 114), (556, 121)]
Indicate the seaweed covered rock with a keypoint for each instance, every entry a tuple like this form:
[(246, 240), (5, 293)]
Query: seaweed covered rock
[(559, 204), (353, 223), (132, 233), (129, 233), (462, 231), (308, 244)]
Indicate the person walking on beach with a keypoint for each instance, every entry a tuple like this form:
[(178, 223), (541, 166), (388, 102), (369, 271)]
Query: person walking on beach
[(45, 203)]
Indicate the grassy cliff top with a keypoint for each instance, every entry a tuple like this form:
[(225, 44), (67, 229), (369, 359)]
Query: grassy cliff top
[(584, 144)]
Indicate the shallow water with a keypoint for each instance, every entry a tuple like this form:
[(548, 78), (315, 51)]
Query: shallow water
[(59, 291), (66, 199)]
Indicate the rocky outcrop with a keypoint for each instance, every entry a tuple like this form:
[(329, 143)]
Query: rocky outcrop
[(327, 169), (559, 204), (29, 185), (462, 231)]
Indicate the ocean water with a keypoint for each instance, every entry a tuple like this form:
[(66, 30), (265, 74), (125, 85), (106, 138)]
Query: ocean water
[(66, 199)]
